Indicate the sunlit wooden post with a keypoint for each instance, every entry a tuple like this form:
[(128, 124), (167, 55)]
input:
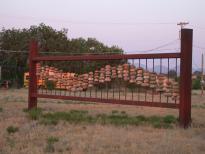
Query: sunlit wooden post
[(185, 77), (32, 98)]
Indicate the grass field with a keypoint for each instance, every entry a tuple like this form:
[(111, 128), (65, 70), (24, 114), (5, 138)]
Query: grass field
[(78, 127)]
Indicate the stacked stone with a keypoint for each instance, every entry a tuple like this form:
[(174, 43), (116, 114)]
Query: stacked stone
[(59, 79), (38, 69), (42, 75), (114, 72), (69, 83), (74, 84), (56, 72), (139, 79), (85, 81), (132, 74), (152, 80), (102, 75), (107, 73), (64, 81), (119, 71), (90, 79), (79, 86), (96, 77), (46, 71), (126, 72), (160, 83), (167, 87), (175, 90), (146, 78)]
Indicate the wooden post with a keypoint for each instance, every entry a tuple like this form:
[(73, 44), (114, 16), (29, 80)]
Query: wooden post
[(185, 77), (202, 74), (33, 52), (0, 73)]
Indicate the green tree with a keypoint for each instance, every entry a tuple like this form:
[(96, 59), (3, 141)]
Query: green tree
[(51, 41)]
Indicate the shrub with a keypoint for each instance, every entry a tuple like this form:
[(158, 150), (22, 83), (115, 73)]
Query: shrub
[(50, 84), (196, 84), (50, 141), (169, 119), (12, 129), (35, 113)]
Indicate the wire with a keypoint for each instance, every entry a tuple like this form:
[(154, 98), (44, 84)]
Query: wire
[(144, 51), (195, 65), (159, 47), (12, 51), (199, 47), (198, 27), (91, 22)]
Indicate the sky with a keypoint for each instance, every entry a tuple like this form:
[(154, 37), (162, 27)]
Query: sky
[(133, 25)]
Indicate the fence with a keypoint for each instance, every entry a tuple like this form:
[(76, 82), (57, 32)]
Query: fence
[(156, 80)]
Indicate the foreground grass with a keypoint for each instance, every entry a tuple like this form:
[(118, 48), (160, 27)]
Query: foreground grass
[(50, 144), (114, 118)]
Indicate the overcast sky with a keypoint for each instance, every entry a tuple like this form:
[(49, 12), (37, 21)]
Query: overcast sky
[(134, 25)]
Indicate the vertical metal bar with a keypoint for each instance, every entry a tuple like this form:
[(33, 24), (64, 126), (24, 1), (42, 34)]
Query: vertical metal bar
[(168, 68), (135, 77), (146, 88), (168, 79), (160, 94), (101, 91), (90, 66), (153, 71), (60, 82), (107, 89), (176, 67), (32, 99), (185, 77), (126, 85), (175, 100), (139, 86), (119, 87), (113, 91), (160, 65)]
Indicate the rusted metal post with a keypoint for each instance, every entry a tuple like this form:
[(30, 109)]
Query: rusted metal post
[(32, 98), (185, 77)]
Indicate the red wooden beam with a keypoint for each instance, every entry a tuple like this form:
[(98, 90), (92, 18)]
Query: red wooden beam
[(111, 101), (185, 77), (106, 57), (32, 100)]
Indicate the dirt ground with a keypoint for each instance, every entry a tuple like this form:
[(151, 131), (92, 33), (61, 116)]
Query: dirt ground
[(31, 138)]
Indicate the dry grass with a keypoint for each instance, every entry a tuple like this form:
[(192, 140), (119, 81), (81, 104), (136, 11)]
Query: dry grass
[(32, 137)]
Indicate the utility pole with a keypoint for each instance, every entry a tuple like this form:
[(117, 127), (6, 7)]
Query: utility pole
[(182, 24), (202, 74)]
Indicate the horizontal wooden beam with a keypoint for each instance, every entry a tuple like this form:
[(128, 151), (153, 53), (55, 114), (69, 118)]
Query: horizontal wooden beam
[(111, 101), (106, 57)]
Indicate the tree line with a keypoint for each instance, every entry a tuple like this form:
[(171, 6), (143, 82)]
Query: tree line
[(50, 41)]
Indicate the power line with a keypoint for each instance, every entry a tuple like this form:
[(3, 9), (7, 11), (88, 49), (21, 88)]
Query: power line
[(159, 47), (199, 47), (91, 22), (198, 27), (53, 52), (145, 51)]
